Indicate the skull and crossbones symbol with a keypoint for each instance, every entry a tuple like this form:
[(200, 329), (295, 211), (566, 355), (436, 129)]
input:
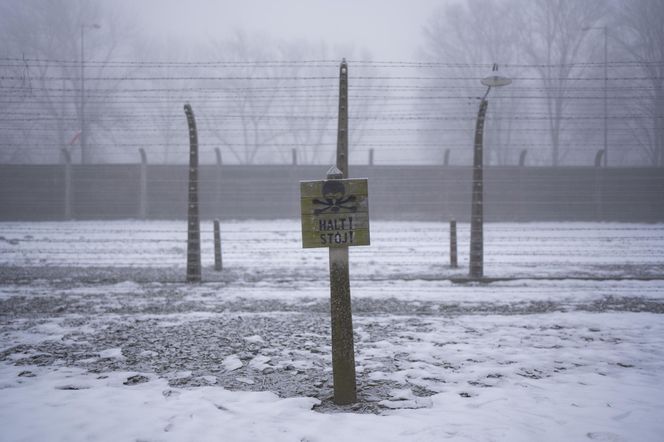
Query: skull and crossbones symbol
[(334, 201)]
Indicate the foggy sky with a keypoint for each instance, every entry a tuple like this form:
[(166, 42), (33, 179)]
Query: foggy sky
[(388, 29)]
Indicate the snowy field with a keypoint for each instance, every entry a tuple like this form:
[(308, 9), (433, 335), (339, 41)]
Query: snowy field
[(102, 339)]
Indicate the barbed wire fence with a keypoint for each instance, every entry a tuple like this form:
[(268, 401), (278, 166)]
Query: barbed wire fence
[(258, 112), (277, 113), (271, 250)]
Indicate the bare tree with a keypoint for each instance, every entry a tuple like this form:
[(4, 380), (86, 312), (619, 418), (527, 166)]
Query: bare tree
[(160, 126), (465, 39), (552, 32), (642, 36), (47, 35), (310, 103), (15, 89), (243, 122), (276, 96)]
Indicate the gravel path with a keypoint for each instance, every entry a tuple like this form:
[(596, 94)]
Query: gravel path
[(199, 335)]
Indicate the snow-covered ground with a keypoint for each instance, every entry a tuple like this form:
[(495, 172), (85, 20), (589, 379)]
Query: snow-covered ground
[(102, 339)]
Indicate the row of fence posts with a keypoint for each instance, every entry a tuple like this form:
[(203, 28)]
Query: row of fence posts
[(476, 264), (446, 157), (194, 275), (294, 161), (193, 246), (143, 206)]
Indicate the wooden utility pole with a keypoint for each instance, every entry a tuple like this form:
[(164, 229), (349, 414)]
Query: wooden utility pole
[(343, 347), (193, 227)]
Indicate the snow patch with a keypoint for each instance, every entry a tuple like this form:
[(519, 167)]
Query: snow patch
[(231, 363), (111, 353)]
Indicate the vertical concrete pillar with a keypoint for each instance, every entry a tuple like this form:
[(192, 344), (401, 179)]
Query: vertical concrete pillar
[(193, 226)]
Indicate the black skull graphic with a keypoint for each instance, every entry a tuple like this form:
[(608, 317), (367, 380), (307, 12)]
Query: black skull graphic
[(334, 200)]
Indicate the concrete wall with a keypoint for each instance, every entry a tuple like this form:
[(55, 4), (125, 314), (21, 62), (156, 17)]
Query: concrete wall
[(395, 192)]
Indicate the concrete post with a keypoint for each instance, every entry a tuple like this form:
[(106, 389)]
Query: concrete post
[(520, 213), (294, 156), (143, 186), (217, 153), (342, 133), (68, 184), (371, 157), (598, 158), (453, 244), (218, 191), (193, 227), (445, 204), (217, 246), (477, 211), (598, 193)]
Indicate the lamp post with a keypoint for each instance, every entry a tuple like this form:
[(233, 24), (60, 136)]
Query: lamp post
[(606, 81), (84, 131), (477, 209)]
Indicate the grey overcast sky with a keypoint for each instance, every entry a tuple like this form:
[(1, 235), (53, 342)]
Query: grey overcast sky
[(388, 29)]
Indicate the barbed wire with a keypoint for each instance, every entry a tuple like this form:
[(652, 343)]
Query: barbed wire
[(246, 245), (396, 101), (313, 78), (322, 62)]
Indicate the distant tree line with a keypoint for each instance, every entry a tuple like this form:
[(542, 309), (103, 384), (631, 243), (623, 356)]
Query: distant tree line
[(81, 76), (555, 51)]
